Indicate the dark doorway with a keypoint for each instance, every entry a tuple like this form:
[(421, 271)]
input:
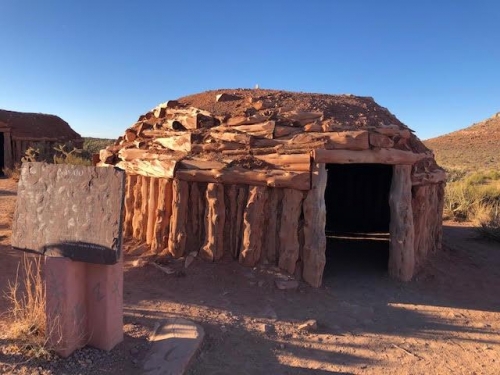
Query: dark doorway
[(2, 148), (358, 217)]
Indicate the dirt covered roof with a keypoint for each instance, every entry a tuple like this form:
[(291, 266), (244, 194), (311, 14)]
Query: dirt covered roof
[(37, 126), (255, 129)]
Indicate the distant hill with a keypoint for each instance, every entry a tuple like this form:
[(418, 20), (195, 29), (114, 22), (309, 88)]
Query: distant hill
[(474, 148)]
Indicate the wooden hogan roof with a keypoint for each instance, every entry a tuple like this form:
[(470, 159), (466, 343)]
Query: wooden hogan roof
[(265, 137)]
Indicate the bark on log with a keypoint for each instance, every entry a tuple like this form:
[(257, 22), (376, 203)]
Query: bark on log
[(196, 216), (289, 241), (129, 206), (149, 168), (314, 206), (163, 213), (230, 229), (347, 140), (200, 164), (270, 250), (137, 217), (284, 131), (427, 206), (152, 208), (215, 216), (178, 141), (380, 140), (381, 156), (253, 226), (393, 130), (242, 120), (262, 130), (402, 236), (144, 207), (177, 235), (241, 201), (242, 138), (272, 178), (435, 177)]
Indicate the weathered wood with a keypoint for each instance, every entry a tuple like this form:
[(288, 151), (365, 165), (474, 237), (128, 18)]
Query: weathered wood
[(200, 164), (7, 150), (347, 140), (288, 234), (427, 207), (272, 224), (241, 201), (295, 162), (215, 216), (178, 220), (137, 226), (149, 168), (253, 226), (402, 236), (130, 135), (196, 216), (393, 130), (381, 156), (152, 208), (314, 207), (243, 120), (284, 131), (230, 230), (129, 206), (242, 138), (272, 178), (381, 140), (163, 213), (144, 208), (179, 141), (313, 127), (434, 177)]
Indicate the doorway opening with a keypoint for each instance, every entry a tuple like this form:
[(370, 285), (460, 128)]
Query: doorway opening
[(2, 152), (357, 218)]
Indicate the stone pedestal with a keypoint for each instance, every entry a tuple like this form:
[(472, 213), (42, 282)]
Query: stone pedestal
[(84, 304)]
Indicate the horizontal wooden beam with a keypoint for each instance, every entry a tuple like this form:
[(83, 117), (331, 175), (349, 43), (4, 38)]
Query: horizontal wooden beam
[(272, 178), (379, 156)]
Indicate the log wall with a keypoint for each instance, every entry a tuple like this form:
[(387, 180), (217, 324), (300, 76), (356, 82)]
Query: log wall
[(176, 217)]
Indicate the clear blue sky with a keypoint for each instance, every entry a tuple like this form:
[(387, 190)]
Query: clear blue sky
[(100, 64)]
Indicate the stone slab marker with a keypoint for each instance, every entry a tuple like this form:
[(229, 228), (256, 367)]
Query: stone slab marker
[(73, 215)]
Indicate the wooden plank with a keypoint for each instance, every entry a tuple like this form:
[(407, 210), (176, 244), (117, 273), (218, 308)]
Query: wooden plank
[(314, 228), (272, 224), (402, 236), (347, 140), (129, 206), (149, 168), (152, 209), (163, 212)]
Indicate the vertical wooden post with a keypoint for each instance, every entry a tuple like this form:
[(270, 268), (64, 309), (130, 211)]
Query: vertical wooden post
[(402, 236), (289, 245), (253, 226), (230, 193), (272, 222), (314, 228), (196, 214), (215, 216), (137, 217), (129, 205), (152, 208), (177, 237), (241, 201), (144, 208), (163, 214)]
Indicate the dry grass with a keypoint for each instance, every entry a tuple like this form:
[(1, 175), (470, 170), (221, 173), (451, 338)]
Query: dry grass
[(13, 173), (26, 294)]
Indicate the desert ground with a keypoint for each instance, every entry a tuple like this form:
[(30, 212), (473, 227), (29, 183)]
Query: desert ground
[(445, 321)]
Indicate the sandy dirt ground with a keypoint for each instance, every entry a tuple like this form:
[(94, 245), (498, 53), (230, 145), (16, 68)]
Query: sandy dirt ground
[(446, 321)]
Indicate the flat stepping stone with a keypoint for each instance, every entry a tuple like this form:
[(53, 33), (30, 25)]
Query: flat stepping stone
[(175, 344)]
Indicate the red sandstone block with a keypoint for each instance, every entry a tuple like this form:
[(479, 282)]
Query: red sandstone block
[(66, 305), (105, 304)]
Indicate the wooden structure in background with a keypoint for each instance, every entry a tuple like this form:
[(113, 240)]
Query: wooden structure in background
[(250, 183), (20, 131)]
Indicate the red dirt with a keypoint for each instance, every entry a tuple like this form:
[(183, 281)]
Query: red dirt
[(446, 321)]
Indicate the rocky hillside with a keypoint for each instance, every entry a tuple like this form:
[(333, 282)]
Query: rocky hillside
[(474, 148)]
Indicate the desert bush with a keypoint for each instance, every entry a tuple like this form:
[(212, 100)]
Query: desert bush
[(13, 173), (26, 295)]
